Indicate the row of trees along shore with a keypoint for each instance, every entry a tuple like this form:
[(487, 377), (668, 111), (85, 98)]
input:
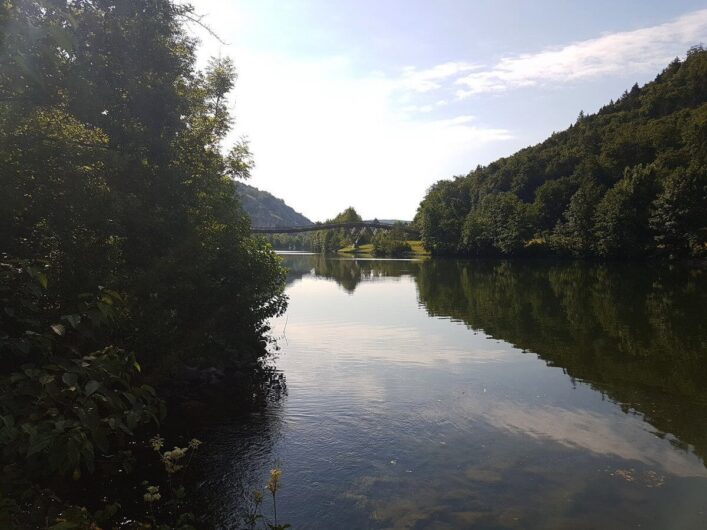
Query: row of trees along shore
[(389, 243), (324, 241), (124, 252), (627, 182)]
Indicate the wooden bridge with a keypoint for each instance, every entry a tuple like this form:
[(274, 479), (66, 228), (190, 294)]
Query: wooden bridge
[(354, 225)]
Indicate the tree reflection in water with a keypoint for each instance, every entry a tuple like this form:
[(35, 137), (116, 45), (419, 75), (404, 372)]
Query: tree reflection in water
[(636, 332)]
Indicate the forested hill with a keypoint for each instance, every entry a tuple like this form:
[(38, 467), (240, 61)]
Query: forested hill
[(266, 210), (628, 181)]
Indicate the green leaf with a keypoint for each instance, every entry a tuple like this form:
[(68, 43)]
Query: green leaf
[(112, 294), (91, 387), (38, 446), (70, 379), (42, 279), (132, 418), (106, 299), (74, 320), (65, 525)]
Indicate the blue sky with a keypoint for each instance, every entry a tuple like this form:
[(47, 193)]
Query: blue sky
[(367, 103)]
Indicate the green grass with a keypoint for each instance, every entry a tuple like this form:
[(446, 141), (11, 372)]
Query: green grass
[(367, 250), (418, 249), (361, 249)]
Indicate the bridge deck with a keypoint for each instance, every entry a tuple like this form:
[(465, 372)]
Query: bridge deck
[(330, 226)]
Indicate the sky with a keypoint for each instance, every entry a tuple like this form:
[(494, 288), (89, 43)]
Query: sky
[(366, 103)]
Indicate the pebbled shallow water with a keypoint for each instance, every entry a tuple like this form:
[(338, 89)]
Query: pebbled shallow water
[(487, 394)]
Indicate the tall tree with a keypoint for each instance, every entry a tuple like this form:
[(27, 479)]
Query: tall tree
[(111, 147), (501, 223), (576, 232), (621, 218), (678, 218), (114, 181), (440, 216)]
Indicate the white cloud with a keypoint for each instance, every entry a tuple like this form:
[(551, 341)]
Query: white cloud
[(325, 137), (318, 129), (643, 50), (431, 78), (618, 434), (418, 108)]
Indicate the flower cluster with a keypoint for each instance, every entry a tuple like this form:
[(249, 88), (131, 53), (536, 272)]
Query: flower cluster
[(157, 443), (153, 494), (258, 497), (170, 459), (274, 482), (255, 514)]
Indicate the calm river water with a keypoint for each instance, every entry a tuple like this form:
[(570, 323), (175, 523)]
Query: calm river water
[(478, 394)]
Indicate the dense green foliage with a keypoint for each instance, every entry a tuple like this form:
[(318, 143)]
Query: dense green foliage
[(391, 243), (628, 181), (324, 241), (265, 210), (383, 242), (114, 183), (333, 240)]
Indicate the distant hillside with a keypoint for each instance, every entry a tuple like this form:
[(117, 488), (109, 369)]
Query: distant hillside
[(628, 181), (266, 210)]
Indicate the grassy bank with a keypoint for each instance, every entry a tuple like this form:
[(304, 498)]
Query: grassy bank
[(417, 250)]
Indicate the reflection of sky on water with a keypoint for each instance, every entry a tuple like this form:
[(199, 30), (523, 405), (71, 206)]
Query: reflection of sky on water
[(395, 419), (384, 325)]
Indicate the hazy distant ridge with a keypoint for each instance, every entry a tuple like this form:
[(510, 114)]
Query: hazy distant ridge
[(266, 210)]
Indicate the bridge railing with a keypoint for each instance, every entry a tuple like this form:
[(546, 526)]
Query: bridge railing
[(329, 226)]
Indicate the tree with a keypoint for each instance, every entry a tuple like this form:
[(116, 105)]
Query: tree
[(662, 124), (677, 218), (501, 224), (333, 240), (551, 199), (114, 166), (441, 214), (621, 218), (576, 232), (391, 242), (115, 182)]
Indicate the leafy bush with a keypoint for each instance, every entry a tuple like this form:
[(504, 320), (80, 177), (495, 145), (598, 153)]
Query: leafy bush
[(58, 416), (63, 411)]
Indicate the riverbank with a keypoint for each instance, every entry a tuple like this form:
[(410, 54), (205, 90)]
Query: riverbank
[(366, 251)]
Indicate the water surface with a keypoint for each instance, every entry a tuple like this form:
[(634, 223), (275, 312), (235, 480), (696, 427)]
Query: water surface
[(479, 394)]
